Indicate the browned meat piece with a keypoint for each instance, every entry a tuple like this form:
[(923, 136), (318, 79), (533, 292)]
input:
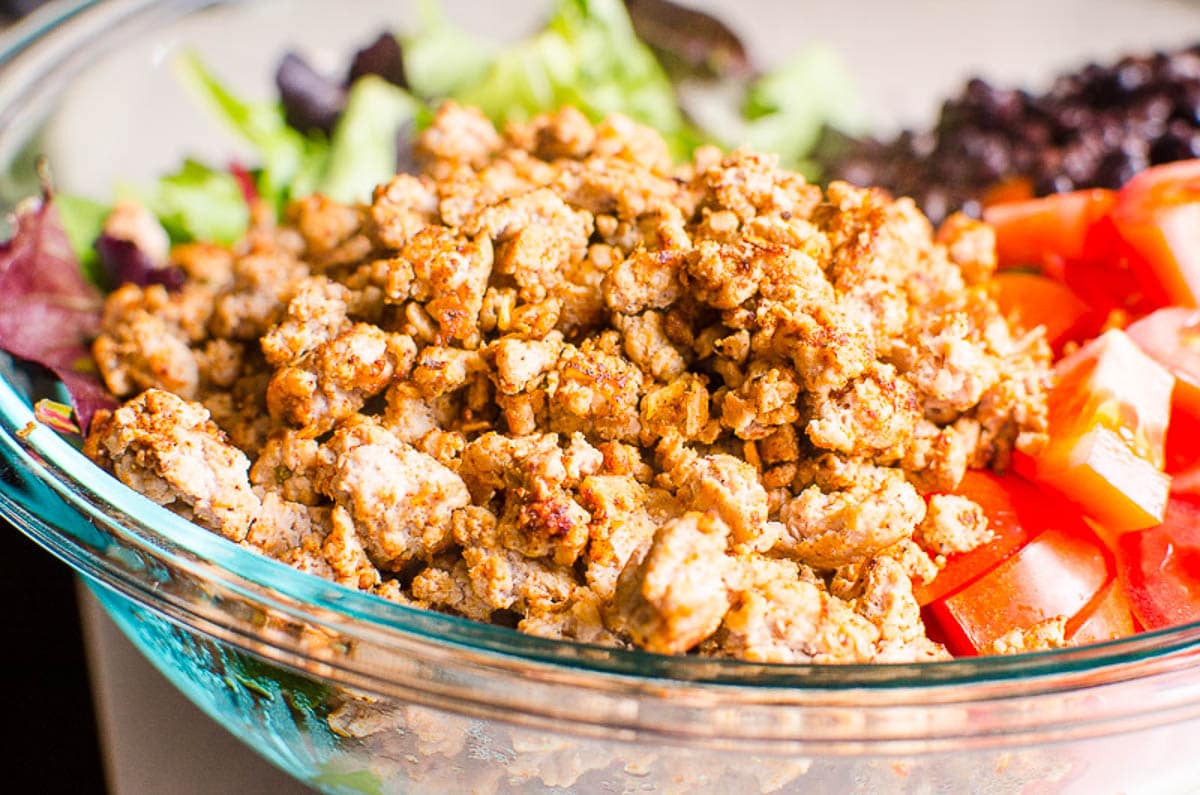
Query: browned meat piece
[(852, 511), (287, 465), (449, 277), (336, 379), (262, 285), (579, 619), (730, 488), (680, 407), (332, 232), (457, 135), (401, 208), (169, 450), (595, 391), (624, 518), (531, 480), (676, 596), (146, 339), (883, 595), (782, 614), (971, 245), (400, 500), (449, 588), (952, 525)]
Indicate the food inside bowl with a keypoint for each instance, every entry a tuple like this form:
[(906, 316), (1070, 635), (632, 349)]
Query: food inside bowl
[(556, 381)]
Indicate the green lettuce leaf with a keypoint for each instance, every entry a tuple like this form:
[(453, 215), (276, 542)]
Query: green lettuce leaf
[(83, 220), (440, 58), (360, 154), (194, 203), (362, 151), (291, 163), (587, 56), (198, 203), (786, 108)]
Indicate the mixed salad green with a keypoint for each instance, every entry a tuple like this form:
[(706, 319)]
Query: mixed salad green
[(342, 137)]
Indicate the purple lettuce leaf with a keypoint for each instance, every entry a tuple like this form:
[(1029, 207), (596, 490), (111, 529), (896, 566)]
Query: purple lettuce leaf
[(48, 312), (382, 57), (314, 101), (124, 262), (406, 159), (689, 42), (311, 101)]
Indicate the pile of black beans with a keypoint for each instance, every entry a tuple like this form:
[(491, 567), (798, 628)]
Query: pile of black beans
[(1094, 128)]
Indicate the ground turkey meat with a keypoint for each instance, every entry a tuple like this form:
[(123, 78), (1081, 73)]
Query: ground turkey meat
[(558, 382), (168, 449)]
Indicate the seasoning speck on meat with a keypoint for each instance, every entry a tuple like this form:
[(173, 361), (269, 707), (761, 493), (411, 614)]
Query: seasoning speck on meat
[(556, 381)]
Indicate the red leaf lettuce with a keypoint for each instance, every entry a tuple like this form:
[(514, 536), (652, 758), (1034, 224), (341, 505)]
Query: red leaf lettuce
[(48, 312)]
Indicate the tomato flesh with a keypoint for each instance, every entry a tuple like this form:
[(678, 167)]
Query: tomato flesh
[(1172, 338), (1047, 232), (1160, 567), (1110, 440), (1058, 573), (1029, 300), (1110, 616), (1108, 419), (1110, 275), (1012, 189), (1187, 482), (1158, 214), (1011, 505)]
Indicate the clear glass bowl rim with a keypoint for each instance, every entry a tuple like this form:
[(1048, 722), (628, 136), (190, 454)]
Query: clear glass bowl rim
[(44, 44)]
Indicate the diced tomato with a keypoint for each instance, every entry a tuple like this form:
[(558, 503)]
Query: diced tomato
[(1172, 338), (1120, 490), (1108, 418), (1012, 189), (1047, 232), (1186, 482), (1158, 214), (1013, 507), (1058, 573), (1160, 567), (1029, 300), (1108, 617), (1183, 439), (1110, 275)]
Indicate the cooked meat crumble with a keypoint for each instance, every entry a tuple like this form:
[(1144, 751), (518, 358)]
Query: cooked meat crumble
[(697, 408)]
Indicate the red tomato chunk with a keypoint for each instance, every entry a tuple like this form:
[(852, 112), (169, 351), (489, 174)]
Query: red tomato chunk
[(1058, 573), (1047, 232), (1158, 215), (1108, 419), (1110, 616), (1015, 511), (1029, 300), (1172, 337), (1160, 567)]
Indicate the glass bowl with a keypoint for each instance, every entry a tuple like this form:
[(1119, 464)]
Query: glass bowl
[(354, 694)]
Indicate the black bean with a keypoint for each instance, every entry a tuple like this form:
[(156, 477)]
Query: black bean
[(1095, 127)]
